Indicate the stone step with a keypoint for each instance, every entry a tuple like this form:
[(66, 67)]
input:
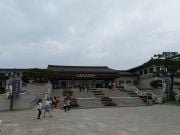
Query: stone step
[(89, 100), (133, 101), (90, 103)]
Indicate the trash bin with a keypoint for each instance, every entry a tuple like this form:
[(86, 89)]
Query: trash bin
[(177, 97)]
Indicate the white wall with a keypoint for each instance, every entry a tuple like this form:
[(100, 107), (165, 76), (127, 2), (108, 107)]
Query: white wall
[(125, 79)]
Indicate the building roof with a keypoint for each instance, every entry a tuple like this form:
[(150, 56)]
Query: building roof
[(61, 68), (8, 70), (145, 65), (126, 73)]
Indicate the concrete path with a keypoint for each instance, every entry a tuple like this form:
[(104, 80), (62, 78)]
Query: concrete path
[(145, 120)]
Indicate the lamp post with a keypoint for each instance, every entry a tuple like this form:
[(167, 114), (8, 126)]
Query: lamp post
[(12, 93), (15, 88)]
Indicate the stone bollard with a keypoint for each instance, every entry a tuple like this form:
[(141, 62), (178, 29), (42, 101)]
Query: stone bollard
[(177, 97), (159, 100)]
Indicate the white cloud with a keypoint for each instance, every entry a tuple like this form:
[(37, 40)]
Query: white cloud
[(118, 33)]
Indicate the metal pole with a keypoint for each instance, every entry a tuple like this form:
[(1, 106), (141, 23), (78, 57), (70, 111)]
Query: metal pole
[(12, 93), (11, 103)]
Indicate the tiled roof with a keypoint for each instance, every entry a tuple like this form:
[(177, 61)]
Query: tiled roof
[(81, 68), (126, 73), (7, 70)]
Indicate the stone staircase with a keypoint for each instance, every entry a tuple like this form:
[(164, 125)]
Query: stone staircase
[(84, 94), (90, 99), (90, 102), (147, 96)]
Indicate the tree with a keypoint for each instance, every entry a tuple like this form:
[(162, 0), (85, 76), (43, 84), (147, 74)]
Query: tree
[(38, 75), (170, 66)]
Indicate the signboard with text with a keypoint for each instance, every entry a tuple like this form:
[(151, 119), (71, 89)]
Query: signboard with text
[(16, 88)]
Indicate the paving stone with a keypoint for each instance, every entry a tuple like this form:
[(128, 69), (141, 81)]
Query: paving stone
[(144, 120)]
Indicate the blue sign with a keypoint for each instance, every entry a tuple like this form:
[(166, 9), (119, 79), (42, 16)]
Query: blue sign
[(16, 88), (167, 84)]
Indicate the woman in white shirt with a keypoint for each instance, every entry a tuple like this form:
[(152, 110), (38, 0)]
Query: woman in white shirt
[(39, 107)]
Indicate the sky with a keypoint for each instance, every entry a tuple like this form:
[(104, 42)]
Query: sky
[(120, 34)]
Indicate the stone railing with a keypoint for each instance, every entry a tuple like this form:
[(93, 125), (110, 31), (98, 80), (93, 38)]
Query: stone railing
[(140, 93)]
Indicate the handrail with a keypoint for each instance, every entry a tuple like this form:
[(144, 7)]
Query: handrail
[(141, 93)]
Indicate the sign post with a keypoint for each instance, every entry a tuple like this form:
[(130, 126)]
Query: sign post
[(15, 92), (167, 81), (16, 88)]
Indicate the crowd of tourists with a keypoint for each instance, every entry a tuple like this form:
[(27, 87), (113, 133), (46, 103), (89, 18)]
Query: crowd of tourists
[(52, 103)]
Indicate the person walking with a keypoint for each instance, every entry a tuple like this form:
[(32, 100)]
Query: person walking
[(47, 108), (39, 107), (68, 104), (65, 104), (51, 103), (55, 103)]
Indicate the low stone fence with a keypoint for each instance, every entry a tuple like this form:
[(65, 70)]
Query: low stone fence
[(24, 101)]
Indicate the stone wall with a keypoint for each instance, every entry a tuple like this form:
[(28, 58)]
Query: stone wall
[(24, 101), (39, 90), (27, 99)]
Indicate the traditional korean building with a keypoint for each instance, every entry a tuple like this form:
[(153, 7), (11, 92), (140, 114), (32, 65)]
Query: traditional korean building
[(92, 76)]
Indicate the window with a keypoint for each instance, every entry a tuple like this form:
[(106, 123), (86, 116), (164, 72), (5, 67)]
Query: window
[(121, 81), (158, 69), (135, 82), (145, 71), (128, 82), (2, 74), (150, 70), (141, 72)]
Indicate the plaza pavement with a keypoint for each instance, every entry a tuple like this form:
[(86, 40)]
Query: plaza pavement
[(144, 120)]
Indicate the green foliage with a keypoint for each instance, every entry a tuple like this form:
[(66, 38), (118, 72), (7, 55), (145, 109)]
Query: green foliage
[(165, 55), (170, 65), (177, 83), (156, 83), (2, 90), (38, 75), (171, 99)]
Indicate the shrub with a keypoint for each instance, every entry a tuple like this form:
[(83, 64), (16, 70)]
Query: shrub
[(38, 75), (2, 90), (67, 92), (74, 103), (156, 83), (171, 99), (106, 99)]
